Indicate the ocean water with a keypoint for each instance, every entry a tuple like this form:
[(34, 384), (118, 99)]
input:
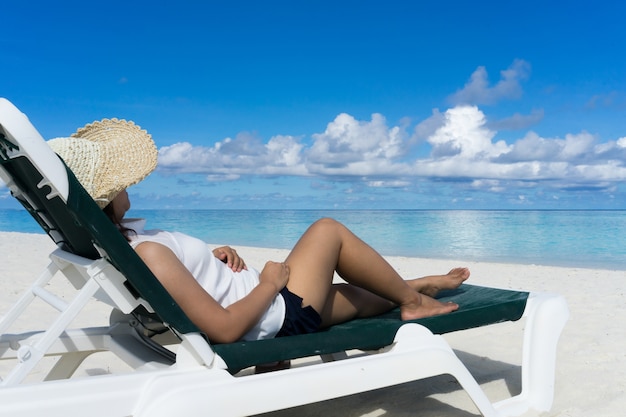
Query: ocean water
[(595, 239)]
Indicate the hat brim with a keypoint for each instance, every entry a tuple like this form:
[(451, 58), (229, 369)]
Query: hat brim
[(108, 156)]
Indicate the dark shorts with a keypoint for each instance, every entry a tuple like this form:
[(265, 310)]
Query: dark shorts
[(298, 319)]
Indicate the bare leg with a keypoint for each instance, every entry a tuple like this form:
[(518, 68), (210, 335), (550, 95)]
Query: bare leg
[(346, 302), (432, 284), (328, 246)]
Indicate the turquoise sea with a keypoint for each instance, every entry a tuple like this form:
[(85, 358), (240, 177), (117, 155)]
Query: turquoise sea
[(595, 239)]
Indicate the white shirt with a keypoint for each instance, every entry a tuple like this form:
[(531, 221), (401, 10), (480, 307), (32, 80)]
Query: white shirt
[(221, 282)]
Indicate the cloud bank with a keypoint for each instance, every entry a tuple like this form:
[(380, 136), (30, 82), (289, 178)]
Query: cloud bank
[(460, 145)]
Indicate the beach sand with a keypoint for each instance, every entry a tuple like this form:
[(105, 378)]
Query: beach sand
[(591, 358)]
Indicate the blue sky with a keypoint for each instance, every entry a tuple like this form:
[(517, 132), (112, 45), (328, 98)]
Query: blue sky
[(339, 104)]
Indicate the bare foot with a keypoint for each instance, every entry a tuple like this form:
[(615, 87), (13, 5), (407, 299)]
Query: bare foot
[(431, 285), (426, 307)]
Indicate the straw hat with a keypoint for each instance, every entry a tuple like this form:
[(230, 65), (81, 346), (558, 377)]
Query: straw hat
[(107, 157)]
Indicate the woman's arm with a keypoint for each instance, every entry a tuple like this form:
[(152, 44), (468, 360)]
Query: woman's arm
[(221, 325)]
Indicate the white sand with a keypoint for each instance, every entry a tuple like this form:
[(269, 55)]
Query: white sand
[(591, 367)]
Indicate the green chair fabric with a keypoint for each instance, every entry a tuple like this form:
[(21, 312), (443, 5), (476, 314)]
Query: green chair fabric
[(479, 306)]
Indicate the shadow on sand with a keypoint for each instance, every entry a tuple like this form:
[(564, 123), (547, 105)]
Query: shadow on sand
[(420, 397)]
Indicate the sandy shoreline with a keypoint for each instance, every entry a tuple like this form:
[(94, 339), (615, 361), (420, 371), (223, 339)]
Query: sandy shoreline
[(591, 364)]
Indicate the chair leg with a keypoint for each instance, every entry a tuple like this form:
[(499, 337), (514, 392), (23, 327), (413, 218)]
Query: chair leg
[(66, 365), (24, 301), (438, 358), (546, 316), (29, 355)]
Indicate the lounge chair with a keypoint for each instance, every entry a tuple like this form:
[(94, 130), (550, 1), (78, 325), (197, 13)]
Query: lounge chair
[(201, 378)]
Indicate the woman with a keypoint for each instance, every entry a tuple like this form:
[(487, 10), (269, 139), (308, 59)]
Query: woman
[(224, 298)]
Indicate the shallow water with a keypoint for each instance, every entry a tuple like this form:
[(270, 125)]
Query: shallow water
[(566, 238)]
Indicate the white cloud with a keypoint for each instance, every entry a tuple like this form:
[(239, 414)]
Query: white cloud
[(350, 142), (388, 184), (285, 150), (358, 148), (494, 186), (465, 135), (478, 91), (532, 147), (464, 148), (574, 147), (230, 158), (222, 177)]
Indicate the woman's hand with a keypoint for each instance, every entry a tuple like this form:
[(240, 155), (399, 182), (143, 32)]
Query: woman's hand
[(275, 273), (230, 257)]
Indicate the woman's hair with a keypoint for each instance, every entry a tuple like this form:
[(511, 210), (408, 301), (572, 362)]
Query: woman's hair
[(110, 213)]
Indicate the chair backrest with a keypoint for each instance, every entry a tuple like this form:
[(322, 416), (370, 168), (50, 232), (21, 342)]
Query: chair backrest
[(50, 192)]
